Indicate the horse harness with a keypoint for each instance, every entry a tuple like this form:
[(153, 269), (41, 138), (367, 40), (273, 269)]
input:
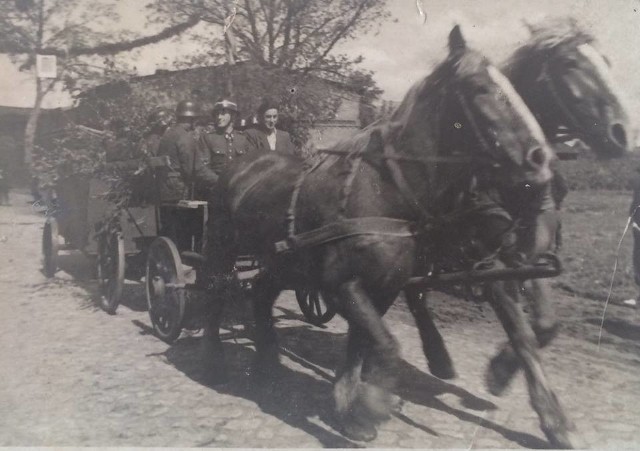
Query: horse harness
[(345, 227)]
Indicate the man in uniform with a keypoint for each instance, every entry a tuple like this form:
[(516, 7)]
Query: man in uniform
[(188, 174), (222, 146), (189, 169), (158, 122)]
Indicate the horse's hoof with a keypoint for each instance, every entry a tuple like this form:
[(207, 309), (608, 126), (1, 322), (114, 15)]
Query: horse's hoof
[(359, 431), (396, 404), (564, 439), (374, 402), (443, 371), (546, 334), (498, 376)]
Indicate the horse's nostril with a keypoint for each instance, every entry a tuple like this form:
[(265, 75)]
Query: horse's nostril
[(618, 135), (537, 156)]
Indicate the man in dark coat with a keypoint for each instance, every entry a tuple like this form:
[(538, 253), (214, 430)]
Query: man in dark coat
[(189, 170), (266, 137), (222, 146), (188, 176)]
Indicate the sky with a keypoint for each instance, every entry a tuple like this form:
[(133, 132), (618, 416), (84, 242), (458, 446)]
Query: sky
[(405, 49)]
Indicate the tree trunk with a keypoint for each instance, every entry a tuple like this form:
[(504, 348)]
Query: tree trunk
[(32, 123)]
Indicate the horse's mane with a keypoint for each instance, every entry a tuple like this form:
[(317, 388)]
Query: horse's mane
[(546, 37)]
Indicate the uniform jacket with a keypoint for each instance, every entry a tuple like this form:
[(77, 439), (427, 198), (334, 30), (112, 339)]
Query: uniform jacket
[(258, 140), (150, 144), (189, 167), (222, 148)]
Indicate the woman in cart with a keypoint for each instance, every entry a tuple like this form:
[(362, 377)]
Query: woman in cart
[(266, 137)]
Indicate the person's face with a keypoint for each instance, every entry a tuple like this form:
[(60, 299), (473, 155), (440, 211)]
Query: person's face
[(270, 119), (223, 119)]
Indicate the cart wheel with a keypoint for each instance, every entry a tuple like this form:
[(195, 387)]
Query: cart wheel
[(165, 289), (50, 247), (313, 306), (111, 263)]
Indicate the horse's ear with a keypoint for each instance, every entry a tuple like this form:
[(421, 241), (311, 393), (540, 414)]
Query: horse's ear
[(457, 42)]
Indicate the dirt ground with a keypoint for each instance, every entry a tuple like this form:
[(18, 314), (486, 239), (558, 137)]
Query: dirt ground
[(74, 376)]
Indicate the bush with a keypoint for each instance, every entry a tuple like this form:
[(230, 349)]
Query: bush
[(589, 174)]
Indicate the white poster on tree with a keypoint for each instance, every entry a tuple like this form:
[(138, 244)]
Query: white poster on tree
[(46, 66)]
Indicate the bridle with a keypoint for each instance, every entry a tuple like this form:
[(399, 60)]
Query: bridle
[(548, 82), (392, 159)]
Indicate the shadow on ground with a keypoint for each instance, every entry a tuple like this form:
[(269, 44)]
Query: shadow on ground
[(296, 396)]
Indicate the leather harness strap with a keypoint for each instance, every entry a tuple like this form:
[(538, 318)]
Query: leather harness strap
[(347, 228), (548, 81), (350, 227)]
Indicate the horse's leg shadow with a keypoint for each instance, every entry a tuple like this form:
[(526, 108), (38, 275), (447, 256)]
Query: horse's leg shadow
[(215, 367), (435, 351), (264, 294), (553, 421)]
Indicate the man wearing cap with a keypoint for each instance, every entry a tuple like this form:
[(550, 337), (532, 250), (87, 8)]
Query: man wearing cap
[(223, 145), (189, 169)]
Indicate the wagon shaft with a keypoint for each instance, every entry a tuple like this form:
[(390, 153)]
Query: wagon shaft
[(550, 267)]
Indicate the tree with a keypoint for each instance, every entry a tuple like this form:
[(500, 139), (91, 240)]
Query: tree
[(294, 39), (70, 30)]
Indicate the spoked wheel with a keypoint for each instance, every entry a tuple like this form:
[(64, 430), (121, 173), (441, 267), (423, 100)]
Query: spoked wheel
[(50, 247), (313, 306), (165, 283), (111, 263)]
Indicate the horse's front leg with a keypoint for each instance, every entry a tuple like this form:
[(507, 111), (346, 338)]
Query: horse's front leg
[(373, 401), (264, 294), (438, 359), (555, 424), (544, 321)]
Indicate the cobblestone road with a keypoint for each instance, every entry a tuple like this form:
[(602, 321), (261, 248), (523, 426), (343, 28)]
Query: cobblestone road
[(72, 375)]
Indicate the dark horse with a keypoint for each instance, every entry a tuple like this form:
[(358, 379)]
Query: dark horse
[(353, 222), (566, 83)]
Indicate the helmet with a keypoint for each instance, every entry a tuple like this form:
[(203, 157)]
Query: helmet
[(225, 104), (187, 108)]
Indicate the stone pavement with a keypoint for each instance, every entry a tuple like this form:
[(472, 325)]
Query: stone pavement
[(72, 375)]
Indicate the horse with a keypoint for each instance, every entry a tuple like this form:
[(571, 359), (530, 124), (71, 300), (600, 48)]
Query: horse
[(566, 83), (352, 222)]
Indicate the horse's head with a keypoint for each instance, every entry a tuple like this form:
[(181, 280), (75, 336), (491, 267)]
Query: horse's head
[(567, 82), (485, 118)]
